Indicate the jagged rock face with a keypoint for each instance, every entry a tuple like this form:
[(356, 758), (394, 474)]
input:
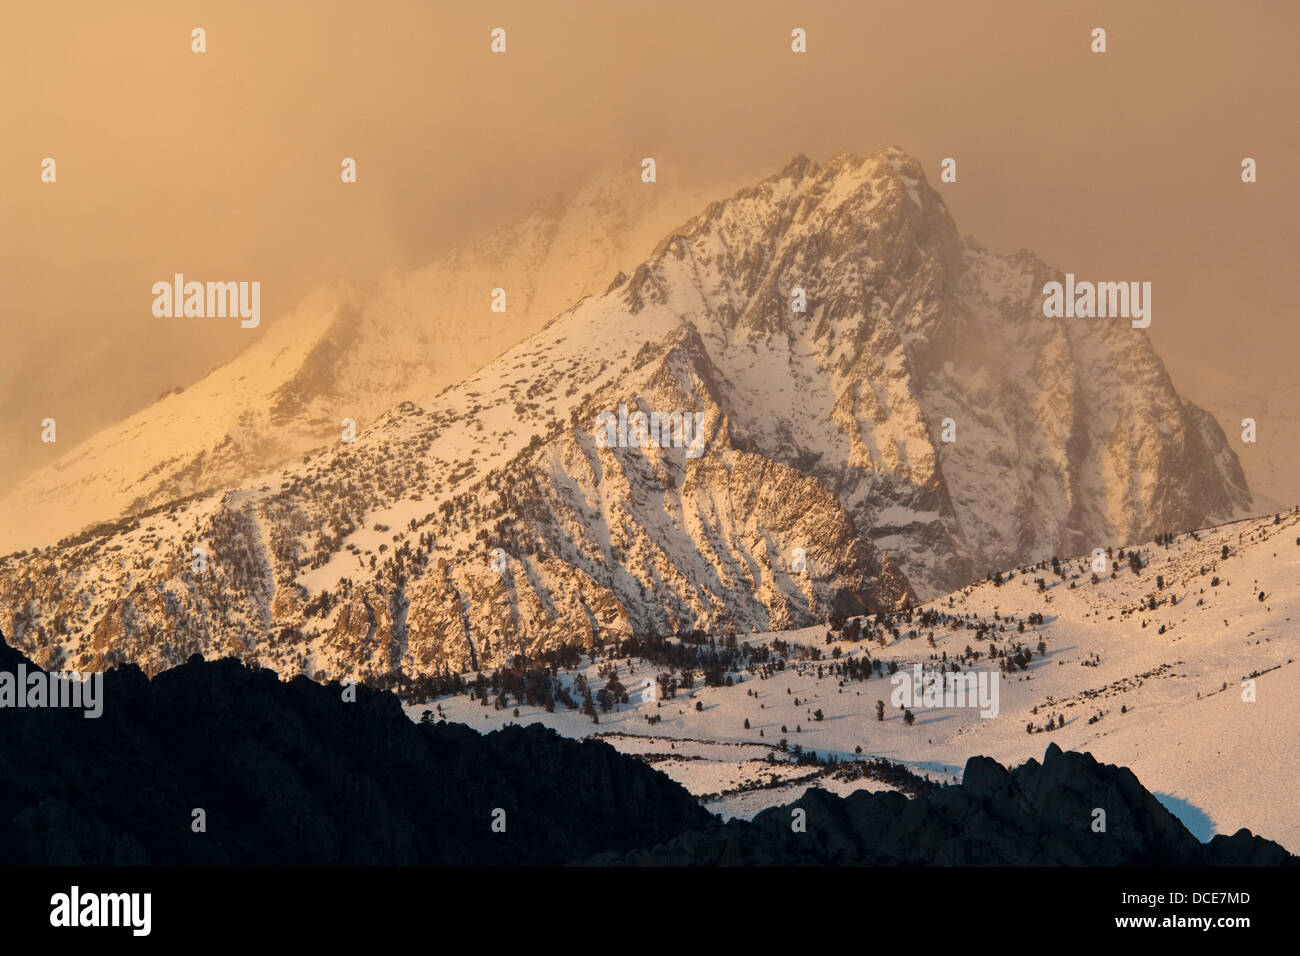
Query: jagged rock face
[(1069, 434), (820, 483)]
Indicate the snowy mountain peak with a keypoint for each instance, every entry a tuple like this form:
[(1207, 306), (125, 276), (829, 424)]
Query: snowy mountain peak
[(878, 412)]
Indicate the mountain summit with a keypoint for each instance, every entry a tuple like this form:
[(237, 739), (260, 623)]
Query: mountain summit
[(497, 517)]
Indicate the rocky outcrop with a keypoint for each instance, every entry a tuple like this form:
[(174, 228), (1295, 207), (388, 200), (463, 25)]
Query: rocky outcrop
[(1035, 815)]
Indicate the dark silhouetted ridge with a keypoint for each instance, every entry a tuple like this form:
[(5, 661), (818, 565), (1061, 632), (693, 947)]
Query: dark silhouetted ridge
[(291, 773)]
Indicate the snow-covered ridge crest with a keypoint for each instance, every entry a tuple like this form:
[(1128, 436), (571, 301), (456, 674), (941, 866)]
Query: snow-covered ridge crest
[(348, 351)]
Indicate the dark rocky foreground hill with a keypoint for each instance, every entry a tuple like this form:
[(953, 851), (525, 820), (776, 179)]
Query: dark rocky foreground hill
[(291, 773)]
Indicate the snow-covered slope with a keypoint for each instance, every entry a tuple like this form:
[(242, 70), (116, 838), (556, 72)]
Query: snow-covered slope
[(488, 520), (1165, 684), (348, 352)]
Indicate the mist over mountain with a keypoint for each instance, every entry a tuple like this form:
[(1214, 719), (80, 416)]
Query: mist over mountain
[(348, 351), (491, 519)]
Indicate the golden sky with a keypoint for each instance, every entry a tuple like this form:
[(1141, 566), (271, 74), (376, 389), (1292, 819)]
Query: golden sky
[(1124, 165)]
